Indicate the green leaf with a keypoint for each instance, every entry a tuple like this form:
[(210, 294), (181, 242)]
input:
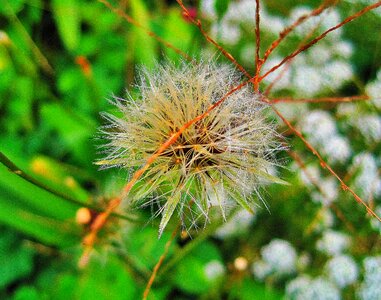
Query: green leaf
[(177, 32), (190, 272), (45, 230), (101, 280), (37, 200), (16, 262), (34, 211), (27, 293), (169, 208), (58, 176), (221, 7), (144, 45), (190, 276), (248, 289), (75, 129), (144, 248), (68, 21)]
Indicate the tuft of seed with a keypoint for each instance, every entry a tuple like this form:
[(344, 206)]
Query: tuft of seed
[(221, 159)]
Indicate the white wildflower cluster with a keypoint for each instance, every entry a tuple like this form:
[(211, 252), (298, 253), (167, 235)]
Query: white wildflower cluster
[(238, 224), (376, 224), (369, 126), (238, 15), (303, 288), (328, 186), (370, 288), (321, 130), (279, 259), (333, 242), (329, 191), (214, 270), (373, 89), (367, 179), (329, 57), (342, 270)]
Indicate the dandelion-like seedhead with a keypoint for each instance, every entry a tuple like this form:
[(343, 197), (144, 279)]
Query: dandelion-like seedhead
[(224, 157)]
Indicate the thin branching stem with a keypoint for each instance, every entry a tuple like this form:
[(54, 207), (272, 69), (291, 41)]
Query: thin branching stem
[(198, 23), (323, 163), (159, 263), (296, 157), (320, 37), (258, 61), (150, 33), (320, 100), (285, 32)]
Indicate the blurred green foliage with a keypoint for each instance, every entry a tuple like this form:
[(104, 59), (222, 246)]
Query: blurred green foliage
[(59, 62)]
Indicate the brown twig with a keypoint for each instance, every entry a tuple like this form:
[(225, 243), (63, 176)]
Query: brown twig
[(324, 165), (319, 100), (287, 66), (317, 185), (132, 21), (258, 62), (212, 41), (323, 35), (159, 263), (101, 219), (289, 125), (283, 34)]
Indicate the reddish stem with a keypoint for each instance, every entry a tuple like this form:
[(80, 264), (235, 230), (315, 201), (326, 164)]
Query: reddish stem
[(132, 21), (319, 100), (323, 35)]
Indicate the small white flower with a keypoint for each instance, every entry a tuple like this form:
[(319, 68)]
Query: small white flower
[(322, 289), (346, 109), (337, 72), (236, 225), (214, 270), (303, 288), (308, 25), (337, 149), (296, 289), (333, 242), (207, 8), (307, 80), (281, 256), (342, 270), (372, 266), (319, 54), (344, 49), (241, 11), (229, 33), (370, 127), (311, 172), (371, 288), (373, 89), (261, 269), (329, 192), (367, 180), (376, 224), (319, 126)]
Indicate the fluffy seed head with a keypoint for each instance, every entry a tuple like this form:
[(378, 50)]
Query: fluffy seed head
[(222, 158)]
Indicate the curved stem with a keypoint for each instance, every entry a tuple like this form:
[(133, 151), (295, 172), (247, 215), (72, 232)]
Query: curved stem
[(16, 170)]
